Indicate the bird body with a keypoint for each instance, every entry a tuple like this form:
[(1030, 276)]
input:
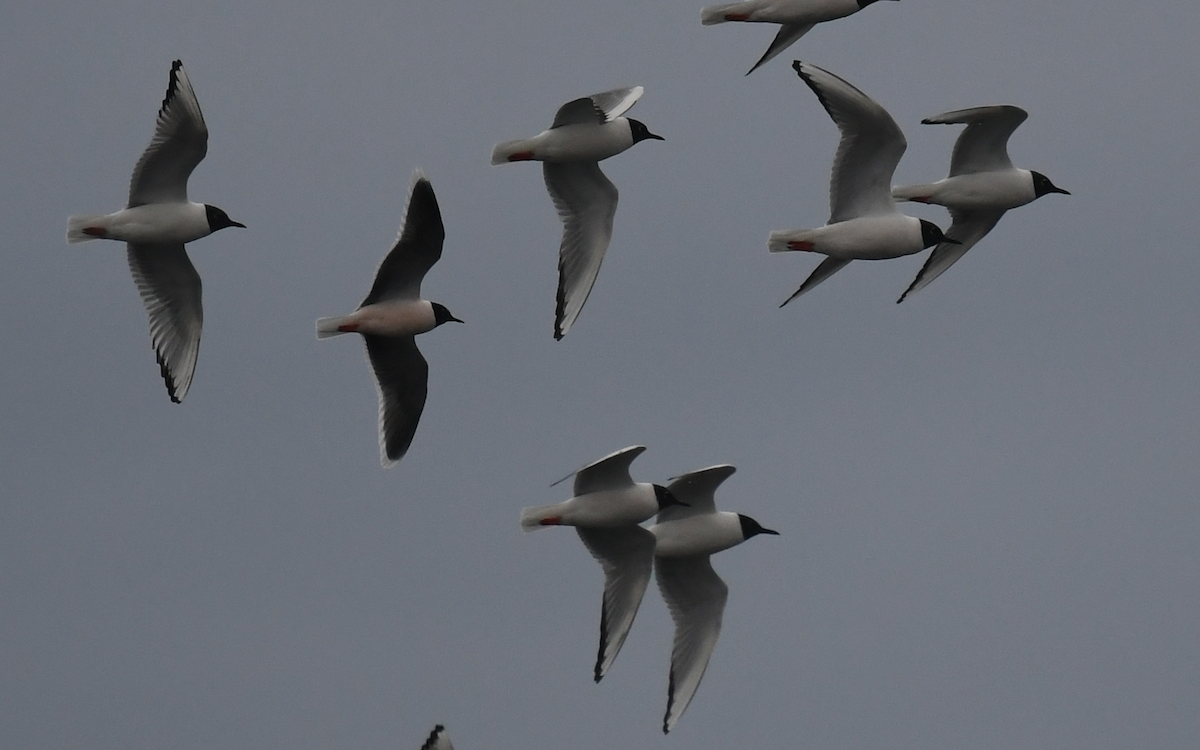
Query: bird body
[(867, 238), (151, 223), (393, 314), (577, 142), (982, 185), (156, 223), (989, 191), (603, 509), (585, 131), (697, 535)]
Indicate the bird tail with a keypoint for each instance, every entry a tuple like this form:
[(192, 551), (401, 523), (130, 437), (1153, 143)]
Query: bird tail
[(328, 327), (718, 13), (77, 224), (503, 152), (908, 192), (782, 242), (539, 517)]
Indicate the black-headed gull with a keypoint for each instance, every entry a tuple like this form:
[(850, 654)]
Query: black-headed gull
[(606, 509), (863, 220), (156, 223), (584, 132), (795, 17), (982, 185), (393, 313), (685, 536), (437, 740)]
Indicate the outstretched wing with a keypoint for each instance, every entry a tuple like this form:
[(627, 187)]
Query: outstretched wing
[(968, 227), (587, 202), (608, 473), (983, 144), (597, 108), (170, 290), (179, 143), (418, 246), (867, 155), (402, 378), (697, 491), (696, 596), (625, 554)]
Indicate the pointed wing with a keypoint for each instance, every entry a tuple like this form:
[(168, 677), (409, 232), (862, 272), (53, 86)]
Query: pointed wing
[(697, 489), (983, 145), (696, 596), (609, 473), (437, 740), (626, 555), (828, 267), (597, 108), (417, 248), (788, 33), (870, 148), (170, 290), (968, 227), (586, 202), (402, 378), (179, 143)]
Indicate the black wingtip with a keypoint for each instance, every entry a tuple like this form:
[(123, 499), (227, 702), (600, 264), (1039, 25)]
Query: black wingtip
[(172, 85), (166, 376), (597, 673), (432, 738)]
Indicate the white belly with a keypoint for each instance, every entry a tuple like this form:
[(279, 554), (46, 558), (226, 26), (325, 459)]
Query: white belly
[(158, 223), (583, 142), (392, 318), (985, 190), (870, 238), (697, 535)]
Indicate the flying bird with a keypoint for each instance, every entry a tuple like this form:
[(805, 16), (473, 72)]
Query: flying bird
[(685, 536), (584, 132), (391, 316), (437, 740), (156, 223), (606, 509), (982, 185), (863, 220), (795, 18)]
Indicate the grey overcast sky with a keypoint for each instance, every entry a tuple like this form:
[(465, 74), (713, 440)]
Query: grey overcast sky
[(987, 495)]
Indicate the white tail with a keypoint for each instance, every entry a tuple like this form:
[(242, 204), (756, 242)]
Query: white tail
[(328, 327), (76, 224), (778, 241), (531, 518), (503, 151), (716, 13)]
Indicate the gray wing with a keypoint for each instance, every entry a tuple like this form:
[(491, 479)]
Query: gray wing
[(179, 143), (788, 33), (608, 473), (402, 378), (597, 108), (697, 489), (870, 148), (586, 201), (968, 227), (983, 145), (170, 290), (696, 596), (626, 555), (417, 248), (437, 740), (828, 267)]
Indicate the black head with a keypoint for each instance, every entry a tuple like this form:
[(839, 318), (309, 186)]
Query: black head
[(931, 235), (218, 219), (442, 315), (1043, 185), (750, 527), (641, 132), (665, 497)]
